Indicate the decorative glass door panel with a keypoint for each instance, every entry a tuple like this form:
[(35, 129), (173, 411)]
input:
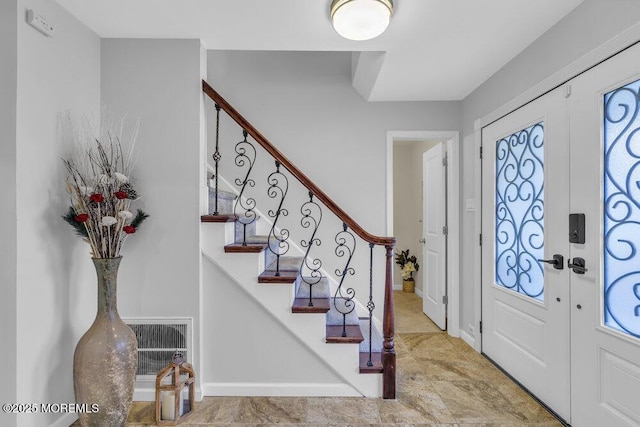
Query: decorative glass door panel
[(622, 209), (519, 211)]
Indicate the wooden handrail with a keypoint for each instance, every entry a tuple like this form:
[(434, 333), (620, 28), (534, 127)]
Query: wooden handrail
[(286, 163)]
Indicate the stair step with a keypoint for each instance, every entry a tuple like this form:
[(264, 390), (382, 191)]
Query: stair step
[(249, 248), (218, 218), (320, 289), (225, 201), (286, 262), (258, 239), (240, 231), (334, 334), (301, 305), (286, 276), (335, 318), (376, 360)]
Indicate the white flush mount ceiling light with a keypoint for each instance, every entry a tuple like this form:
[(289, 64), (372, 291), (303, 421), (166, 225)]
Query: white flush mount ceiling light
[(361, 19)]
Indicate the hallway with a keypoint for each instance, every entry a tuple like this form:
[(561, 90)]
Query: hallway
[(441, 382)]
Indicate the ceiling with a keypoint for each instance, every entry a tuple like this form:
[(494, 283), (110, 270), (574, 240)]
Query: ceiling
[(432, 50)]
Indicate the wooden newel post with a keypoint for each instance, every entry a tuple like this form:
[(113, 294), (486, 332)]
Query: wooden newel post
[(388, 330)]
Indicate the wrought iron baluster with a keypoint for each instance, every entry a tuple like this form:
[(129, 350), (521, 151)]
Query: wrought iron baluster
[(346, 247), (370, 305), (216, 158), (277, 240), (246, 155), (311, 217)]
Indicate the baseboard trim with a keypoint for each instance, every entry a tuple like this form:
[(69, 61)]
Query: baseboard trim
[(466, 337), (397, 287), (279, 389)]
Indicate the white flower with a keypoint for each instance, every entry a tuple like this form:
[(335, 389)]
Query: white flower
[(120, 177), (407, 270), (102, 179), (125, 214), (108, 220), (85, 190)]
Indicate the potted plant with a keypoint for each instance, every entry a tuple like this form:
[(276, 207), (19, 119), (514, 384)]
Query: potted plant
[(408, 264)]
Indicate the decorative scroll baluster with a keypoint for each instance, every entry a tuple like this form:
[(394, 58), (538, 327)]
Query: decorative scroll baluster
[(346, 247), (370, 305), (246, 155), (311, 217), (217, 157), (277, 241)]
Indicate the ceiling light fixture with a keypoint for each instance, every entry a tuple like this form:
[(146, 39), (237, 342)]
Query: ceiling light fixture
[(361, 19)]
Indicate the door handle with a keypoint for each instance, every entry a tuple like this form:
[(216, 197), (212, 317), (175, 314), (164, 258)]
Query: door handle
[(577, 265), (423, 240), (557, 261)]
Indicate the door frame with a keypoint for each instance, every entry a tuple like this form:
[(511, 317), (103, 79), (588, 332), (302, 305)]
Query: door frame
[(452, 140)]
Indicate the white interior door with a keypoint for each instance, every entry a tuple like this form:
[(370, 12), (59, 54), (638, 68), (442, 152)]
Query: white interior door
[(525, 302), (434, 244), (605, 186)]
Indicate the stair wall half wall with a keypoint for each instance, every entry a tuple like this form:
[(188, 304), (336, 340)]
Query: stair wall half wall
[(255, 345)]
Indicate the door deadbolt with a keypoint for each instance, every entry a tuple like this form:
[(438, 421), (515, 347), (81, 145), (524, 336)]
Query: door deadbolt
[(578, 265)]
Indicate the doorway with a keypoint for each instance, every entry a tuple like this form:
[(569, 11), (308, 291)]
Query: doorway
[(405, 216), (560, 281)]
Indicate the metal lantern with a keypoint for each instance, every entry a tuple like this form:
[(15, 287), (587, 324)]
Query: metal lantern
[(175, 392)]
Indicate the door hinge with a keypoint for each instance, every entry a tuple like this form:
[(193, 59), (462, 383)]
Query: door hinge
[(445, 299), (480, 239), (445, 230), (445, 162), (481, 326), (480, 152)]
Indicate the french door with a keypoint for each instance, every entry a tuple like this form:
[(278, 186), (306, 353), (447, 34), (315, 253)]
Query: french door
[(561, 250)]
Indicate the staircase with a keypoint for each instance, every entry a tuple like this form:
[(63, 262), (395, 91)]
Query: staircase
[(286, 279)]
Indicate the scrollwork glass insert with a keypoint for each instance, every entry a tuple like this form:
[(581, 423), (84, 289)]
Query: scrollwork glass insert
[(519, 232), (622, 209)]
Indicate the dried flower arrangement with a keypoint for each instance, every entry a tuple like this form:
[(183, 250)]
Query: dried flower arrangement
[(101, 192), (409, 264)]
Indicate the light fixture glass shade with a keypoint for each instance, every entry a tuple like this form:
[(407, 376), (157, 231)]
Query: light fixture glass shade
[(361, 19)]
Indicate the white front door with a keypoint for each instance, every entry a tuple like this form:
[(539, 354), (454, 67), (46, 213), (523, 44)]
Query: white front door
[(571, 335), (525, 301), (434, 244), (605, 186)]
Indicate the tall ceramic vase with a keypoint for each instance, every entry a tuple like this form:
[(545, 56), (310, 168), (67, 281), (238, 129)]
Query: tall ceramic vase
[(106, 357)]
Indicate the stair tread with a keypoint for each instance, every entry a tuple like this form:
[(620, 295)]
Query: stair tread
[(248, 248), (286, 276), (222, 194), (301, 305), (218, 218), (376, 360), (334, 334), (334, 317), (286, 262), (258, 239)]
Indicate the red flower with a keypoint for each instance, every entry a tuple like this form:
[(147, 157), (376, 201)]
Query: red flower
[(83, 217), (120, 195), (97, 197), (129, 229)]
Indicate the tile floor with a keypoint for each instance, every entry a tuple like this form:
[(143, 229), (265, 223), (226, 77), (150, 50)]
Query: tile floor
[(441, 382)]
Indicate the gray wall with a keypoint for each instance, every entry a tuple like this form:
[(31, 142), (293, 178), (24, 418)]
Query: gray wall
[(8, 264), (55, 297), (591, 24), (158, 83)]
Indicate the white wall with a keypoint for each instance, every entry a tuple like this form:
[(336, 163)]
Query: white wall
[(55, 300), (8, 264), (246, 347), (305, 104), (584, 29), (158, 83)]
